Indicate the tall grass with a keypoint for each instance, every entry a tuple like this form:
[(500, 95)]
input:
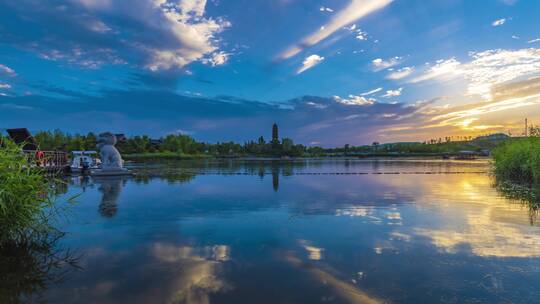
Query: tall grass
[(26, 196), (518, 160), (29, 256)]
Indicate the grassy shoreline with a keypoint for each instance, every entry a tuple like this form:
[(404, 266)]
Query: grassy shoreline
[(518, 161)]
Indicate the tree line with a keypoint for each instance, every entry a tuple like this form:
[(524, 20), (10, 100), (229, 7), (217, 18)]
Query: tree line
[(175, 143), (187, 145)]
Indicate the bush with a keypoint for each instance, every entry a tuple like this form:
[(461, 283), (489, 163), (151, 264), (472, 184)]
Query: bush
[(518, 160), (25, 195)]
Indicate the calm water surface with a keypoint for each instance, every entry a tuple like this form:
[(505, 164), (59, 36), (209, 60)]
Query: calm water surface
[(358, 231)]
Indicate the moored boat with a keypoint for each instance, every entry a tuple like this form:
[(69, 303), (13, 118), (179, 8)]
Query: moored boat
[(82, 162)]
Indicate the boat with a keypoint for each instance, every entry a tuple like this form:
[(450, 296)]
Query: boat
[(82, 162)]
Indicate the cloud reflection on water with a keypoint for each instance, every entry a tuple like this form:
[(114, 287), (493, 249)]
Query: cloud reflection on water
[(475, 216)]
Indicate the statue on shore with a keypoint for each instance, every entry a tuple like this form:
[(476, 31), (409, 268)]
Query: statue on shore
[(110, 157)]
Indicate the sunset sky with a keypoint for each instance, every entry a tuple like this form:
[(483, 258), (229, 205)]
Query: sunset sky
[(328, 72)]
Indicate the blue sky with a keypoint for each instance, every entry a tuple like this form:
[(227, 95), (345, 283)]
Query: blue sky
[(329, 72)]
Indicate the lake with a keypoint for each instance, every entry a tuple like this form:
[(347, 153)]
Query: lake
[(303, 231)]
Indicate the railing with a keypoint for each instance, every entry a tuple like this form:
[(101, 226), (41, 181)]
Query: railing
[(47, 159)]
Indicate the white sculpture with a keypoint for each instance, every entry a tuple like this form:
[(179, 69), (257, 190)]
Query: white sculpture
[(110, 157), (111, 160)]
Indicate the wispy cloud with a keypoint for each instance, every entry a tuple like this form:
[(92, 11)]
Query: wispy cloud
[(380, 64), (352, 12), (371, 92), (400, 73), (217, 58), (310, 62), (498, 22), (359, 33), (5, 86), (534, 40), (393, 93), (7, 70), (442, 69), (486, 69)]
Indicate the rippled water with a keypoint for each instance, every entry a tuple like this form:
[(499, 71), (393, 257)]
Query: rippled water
[(356, 231)]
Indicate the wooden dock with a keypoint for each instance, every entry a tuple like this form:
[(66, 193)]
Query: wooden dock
[(49, 161)]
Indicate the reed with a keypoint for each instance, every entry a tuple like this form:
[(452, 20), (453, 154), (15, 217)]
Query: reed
[(518, 160), (26, 196)]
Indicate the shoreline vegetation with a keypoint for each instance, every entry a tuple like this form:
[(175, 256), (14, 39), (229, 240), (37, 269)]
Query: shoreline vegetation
[(182, 146), (516, 166), (30, 259), (518, 161)]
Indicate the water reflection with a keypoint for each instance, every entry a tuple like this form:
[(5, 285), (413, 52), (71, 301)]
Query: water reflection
[(199, 275), (525, 195), (302, 232), (28, 267), (275, 178), (110, 187)]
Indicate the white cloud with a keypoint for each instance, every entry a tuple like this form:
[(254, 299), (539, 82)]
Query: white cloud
[(163, 34), (326, 9), (310, 62), (380, 64), (217, 58), (442, 69), (534, 40), (393, 93), (493, 67), (316, 105), (351, 28), (354, 100), (498, 22), (193, 32), (515, 37), (5, 86), (400, 73), (486, 69), (354, 11), (371, 92), (7, 70), (361, 35)]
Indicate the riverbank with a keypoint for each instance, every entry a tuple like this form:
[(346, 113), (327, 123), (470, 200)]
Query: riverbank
[(518, 161)]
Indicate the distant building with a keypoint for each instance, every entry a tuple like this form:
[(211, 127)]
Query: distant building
[(275, 134), (22, 136)]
